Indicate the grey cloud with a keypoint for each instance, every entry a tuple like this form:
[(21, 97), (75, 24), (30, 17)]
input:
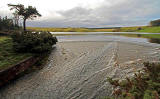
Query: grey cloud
[(127, 13)]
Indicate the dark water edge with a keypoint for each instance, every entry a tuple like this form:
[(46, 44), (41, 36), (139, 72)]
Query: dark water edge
[(154, 40)]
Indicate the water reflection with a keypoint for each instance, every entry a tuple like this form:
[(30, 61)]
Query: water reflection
[(134, 38), (101, 38)]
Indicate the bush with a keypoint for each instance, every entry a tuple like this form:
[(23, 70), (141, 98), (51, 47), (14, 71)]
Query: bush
[(144, 85), (34, 42)]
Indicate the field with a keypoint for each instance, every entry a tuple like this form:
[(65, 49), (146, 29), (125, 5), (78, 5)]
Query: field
[(151, 29), (147, 29), (122, 29), (7, 56), (69, 29)]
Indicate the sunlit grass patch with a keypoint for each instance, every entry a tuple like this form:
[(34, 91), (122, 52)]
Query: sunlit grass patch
[(70, 29), (148, 29), (151, 29)]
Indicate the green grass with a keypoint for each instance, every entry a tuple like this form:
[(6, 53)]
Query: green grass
[(7, 56), (151, 29), (122, 29), (151, 35), (69, 29), (147, 29)]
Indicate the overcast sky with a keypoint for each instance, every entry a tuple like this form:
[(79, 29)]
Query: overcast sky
[(89, 13)]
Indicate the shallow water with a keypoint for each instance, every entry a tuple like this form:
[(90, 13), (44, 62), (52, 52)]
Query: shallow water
[(118, 38), (99, 38), (77, 68)]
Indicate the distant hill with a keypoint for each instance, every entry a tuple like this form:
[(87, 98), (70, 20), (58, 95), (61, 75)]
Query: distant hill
[(105, 28), (155, 23)]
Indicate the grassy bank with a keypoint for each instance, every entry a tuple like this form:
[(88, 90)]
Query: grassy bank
[(151, 29), (7, 56), (69, 29), (122, 29), (143, 35), (147, 29)]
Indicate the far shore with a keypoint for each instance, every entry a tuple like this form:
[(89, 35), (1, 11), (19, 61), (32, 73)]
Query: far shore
[(146, 29)]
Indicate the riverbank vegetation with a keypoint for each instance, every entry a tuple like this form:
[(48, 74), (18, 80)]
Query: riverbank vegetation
[(144, 85), (148, 29), (70, 29), (149, 36), (17, 45), (8, 56), (22, 45), (33, 42)]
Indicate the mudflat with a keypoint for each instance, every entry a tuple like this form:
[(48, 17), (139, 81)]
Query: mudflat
[(78, 70)]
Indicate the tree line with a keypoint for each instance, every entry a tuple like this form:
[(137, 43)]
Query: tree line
[(155, 23), (7, 24)]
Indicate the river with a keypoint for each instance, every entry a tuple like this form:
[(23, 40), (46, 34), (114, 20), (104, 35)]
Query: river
[(79, 65)]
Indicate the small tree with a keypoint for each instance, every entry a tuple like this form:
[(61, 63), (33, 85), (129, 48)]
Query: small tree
[(26, 13)]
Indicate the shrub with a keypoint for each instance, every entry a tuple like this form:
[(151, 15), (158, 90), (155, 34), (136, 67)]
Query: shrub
[(144, 85), (139, 28), (34, 42)]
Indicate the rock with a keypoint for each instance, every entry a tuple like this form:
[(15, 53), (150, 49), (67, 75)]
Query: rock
[(130, 62), (157, 48), (139, 60), (155, 52)]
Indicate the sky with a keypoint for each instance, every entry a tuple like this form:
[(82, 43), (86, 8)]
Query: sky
[(88, 13)]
